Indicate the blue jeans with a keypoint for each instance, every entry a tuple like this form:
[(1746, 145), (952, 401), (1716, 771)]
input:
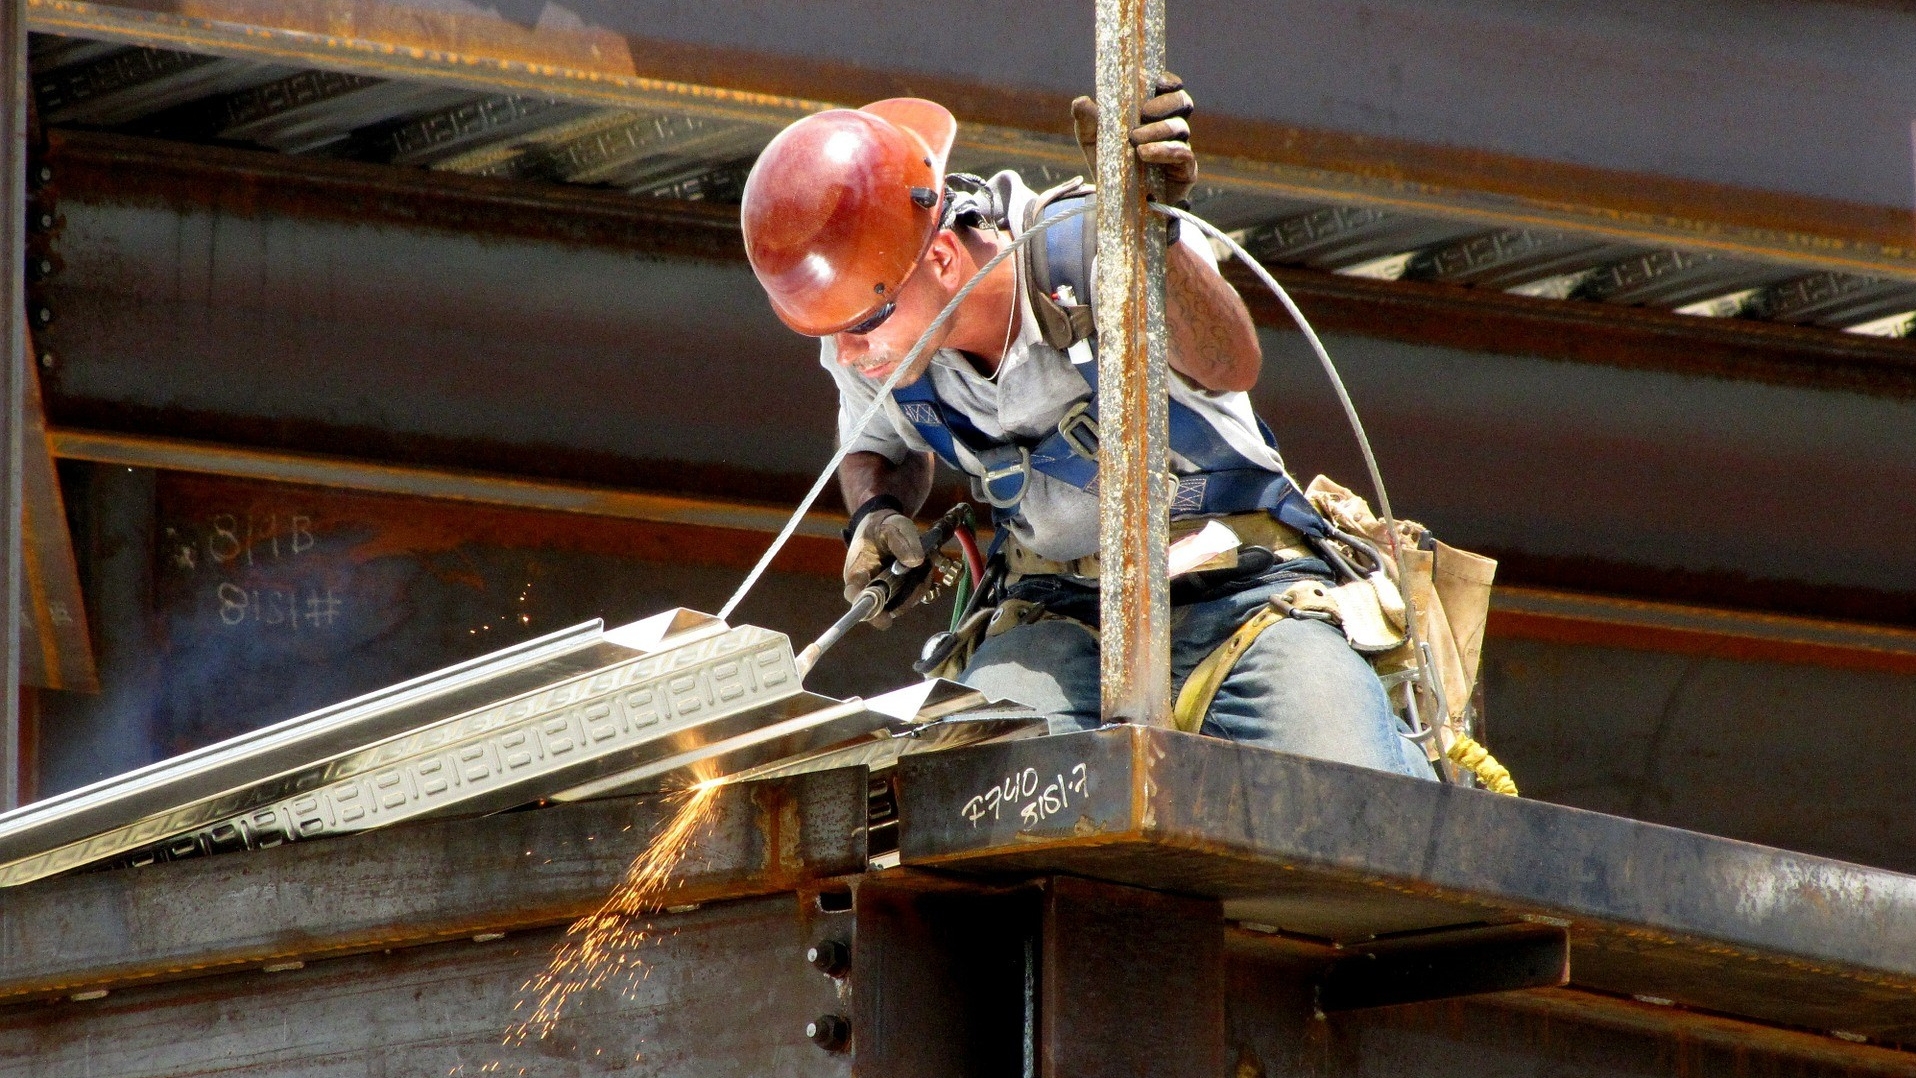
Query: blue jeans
[(1299, 688)]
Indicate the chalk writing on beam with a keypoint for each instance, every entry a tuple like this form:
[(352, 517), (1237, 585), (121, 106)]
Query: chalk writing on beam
[(292, 610), (250, 538), (1033, 797), (225, 540)]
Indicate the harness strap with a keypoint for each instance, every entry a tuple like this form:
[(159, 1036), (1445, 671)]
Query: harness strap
[(1207, 677), (1059, 273)]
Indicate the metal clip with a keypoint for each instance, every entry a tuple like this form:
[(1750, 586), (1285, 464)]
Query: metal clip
[(1022, 469), (1077, 420)]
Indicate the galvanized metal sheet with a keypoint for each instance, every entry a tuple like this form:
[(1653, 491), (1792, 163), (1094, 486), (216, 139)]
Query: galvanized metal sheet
[(667, 701), (945, 715), (204, 775)]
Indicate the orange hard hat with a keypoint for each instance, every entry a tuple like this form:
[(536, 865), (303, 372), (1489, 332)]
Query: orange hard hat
[(841, 206)]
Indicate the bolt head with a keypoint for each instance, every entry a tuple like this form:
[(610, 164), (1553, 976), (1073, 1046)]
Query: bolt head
[(830, 957), (829, 1032)]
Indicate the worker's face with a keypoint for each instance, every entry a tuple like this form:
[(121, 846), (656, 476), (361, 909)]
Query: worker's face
[(938, 277)]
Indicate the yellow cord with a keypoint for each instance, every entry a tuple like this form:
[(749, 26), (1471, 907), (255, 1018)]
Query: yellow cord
[(1496, 777)]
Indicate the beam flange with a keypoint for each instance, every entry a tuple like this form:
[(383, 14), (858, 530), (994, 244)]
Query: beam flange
[(1345, 854), (1446, 965), (56, 648), (589, 65)]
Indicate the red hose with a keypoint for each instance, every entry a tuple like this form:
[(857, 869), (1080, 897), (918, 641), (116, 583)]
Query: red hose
[(972, 558)]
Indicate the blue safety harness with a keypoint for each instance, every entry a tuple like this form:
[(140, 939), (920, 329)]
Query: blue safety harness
[(1226, 481)]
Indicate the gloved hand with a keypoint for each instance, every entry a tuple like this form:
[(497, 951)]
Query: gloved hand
[(881, 534), (1163, 135)]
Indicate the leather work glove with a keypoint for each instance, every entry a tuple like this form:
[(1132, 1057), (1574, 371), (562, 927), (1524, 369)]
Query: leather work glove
[(1163, 135), (883, 533)]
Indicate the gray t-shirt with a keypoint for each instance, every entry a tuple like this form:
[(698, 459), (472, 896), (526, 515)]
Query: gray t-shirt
[(1033, 388)]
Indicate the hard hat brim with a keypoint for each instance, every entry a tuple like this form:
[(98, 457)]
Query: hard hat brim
[(931, 122)]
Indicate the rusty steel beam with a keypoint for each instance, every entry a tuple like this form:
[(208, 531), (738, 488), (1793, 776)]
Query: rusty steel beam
[(1276, 1025), (1345, 854), (1705, 1035), (13, 358), (482, 52), (1517, 612), (56, 650), (1134, 502), (109, 167), (412, 885), (346, 473), (141, 171), (937, 980), (684, 1012), (601, 65)]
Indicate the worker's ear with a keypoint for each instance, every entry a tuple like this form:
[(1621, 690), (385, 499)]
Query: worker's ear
[(947, 260)]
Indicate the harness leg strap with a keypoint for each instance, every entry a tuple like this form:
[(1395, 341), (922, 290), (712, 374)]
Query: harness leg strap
[(1194, 699)]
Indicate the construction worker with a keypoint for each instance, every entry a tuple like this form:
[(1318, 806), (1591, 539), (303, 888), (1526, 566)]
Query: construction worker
[(860, 239)]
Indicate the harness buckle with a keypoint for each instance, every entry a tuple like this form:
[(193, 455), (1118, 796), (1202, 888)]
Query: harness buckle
[(1022, 469), (1080, 430)]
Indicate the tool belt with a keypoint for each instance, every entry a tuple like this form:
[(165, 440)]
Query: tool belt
[(1448, 592), (1257, 529)]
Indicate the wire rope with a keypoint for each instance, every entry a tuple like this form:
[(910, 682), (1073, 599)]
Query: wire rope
[(958, 298), (1350, 413)]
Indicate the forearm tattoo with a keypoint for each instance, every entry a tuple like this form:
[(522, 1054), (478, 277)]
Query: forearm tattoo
[(1209, 334)]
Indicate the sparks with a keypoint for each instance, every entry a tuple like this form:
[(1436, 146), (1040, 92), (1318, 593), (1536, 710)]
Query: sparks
[(604, 944)]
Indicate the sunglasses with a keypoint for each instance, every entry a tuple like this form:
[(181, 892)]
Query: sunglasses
[(877, 319)]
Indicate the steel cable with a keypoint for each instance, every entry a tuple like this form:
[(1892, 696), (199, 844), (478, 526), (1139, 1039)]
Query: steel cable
[(1357, 428), (1283, 297)]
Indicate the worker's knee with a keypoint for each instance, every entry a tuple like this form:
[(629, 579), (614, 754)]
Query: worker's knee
[(1050, 666), (1300, 688)]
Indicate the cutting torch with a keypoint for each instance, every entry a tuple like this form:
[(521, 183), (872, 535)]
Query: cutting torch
[(889, 589)]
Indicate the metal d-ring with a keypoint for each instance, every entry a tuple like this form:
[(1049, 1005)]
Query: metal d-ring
[(1022, 468)]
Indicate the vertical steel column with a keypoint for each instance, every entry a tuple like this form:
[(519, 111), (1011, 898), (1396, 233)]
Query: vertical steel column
[(1132, 983), (13, 351), (1133, 497)]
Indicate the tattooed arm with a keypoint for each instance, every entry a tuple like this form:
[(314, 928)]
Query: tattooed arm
[(1212, 340)]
